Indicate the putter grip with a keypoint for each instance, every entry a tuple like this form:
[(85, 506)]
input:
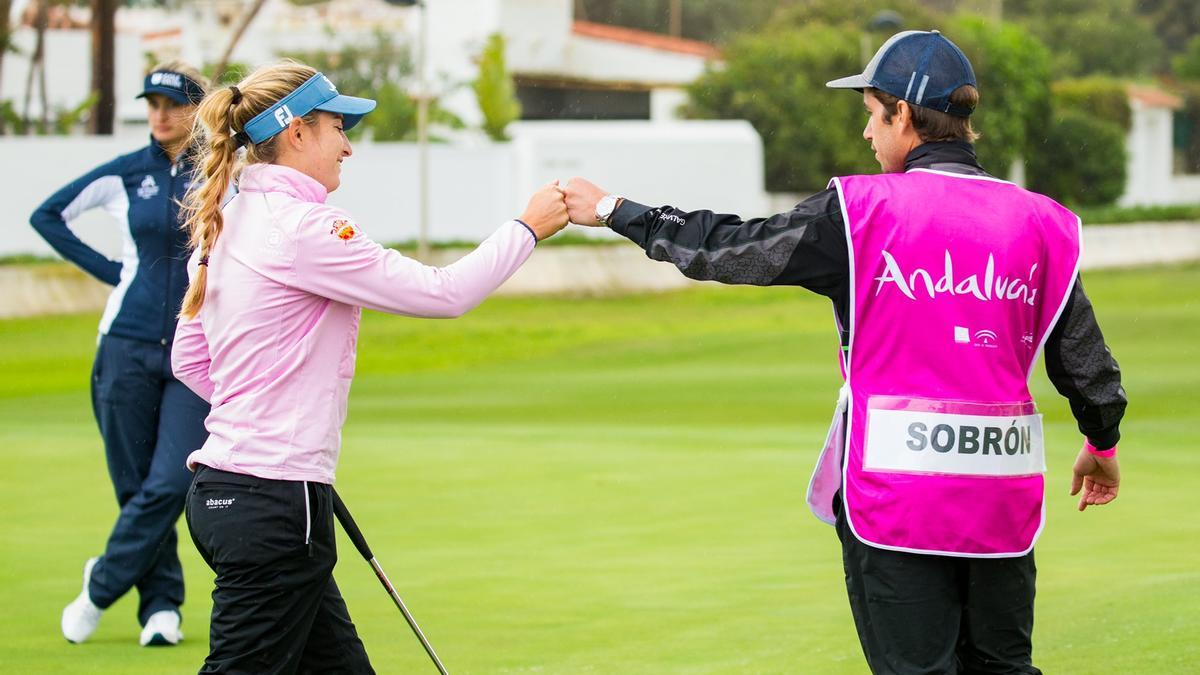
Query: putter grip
[(351, 528)]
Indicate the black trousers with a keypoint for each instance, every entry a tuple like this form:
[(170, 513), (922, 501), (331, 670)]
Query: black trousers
[(939, 614), (276, 608)]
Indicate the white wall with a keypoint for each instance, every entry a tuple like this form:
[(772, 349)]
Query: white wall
[(666, 102), (30, 290), (45, 165), (651, 162), (1150, 156), (473, 189)]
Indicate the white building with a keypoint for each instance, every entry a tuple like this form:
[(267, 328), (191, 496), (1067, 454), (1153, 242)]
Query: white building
[(564, 69), (1151, 177)]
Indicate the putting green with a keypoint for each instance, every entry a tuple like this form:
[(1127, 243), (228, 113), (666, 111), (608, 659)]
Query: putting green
[(617, 486)]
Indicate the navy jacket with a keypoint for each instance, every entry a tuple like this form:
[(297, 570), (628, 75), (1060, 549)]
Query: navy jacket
[(141, 190)]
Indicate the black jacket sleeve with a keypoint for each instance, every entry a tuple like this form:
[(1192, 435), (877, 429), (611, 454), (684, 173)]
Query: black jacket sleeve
[(807, 247), (803, 247), (101, 187), (1082, 369)]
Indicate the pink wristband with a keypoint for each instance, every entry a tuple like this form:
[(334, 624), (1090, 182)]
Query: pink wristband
[(1099, 453)]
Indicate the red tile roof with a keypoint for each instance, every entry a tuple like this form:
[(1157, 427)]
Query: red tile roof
[(166, 33), (1155, 98), (643, 38)]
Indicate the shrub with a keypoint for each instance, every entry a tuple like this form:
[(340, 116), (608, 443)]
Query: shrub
[(1101, 97), (776, 81), (1080, 160), (494, 90)]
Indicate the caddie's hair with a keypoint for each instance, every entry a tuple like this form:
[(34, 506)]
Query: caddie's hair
[(932, 125), (219, 121)]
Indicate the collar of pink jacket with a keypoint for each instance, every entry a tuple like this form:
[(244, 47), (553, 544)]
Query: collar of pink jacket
[(276, 178)]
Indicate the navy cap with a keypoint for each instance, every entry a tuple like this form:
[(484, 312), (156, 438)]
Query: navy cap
[(921, 67), (175, 86), (317, 93)]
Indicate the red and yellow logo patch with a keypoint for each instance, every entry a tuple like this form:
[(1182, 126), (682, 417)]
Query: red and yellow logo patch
[(343, 229)]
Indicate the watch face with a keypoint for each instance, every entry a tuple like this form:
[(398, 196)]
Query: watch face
[(604, 207)]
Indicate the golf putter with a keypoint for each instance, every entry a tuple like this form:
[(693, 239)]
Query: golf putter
[(356, 536)]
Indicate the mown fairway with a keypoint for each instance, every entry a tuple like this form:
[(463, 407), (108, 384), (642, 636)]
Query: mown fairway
[(617, 486)]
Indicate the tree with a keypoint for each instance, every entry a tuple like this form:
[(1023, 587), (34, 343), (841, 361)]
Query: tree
[(1104, 98), (776, 80), (37, 66), (856, 14), (5, 32), (494, 90), (1013, 71), (1187, 64), (104, 28), (1081, 160), (1175, 21), (1091, 36), (707, 20), (6, 107)]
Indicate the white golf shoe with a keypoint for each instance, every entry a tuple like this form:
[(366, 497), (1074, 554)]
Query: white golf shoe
[(80, 618), (162, 629)]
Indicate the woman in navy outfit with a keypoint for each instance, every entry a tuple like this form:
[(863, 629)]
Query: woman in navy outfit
[(149, 420)]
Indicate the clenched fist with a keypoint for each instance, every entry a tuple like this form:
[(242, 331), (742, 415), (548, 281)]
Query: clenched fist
[(546, 212), (582, 196)]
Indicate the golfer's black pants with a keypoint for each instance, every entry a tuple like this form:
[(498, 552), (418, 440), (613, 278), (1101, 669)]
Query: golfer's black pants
[(934, 614), (276, 608)]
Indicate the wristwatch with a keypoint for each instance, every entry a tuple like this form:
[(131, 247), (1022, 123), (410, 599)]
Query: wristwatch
[(606, 206)]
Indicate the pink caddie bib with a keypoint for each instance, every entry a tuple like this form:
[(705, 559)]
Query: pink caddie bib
[(956, 282)]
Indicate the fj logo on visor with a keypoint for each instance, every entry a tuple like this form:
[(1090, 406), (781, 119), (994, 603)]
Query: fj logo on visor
[(283, 116)]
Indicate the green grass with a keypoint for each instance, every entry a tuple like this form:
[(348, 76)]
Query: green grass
[(1115, 215), (617, 486)]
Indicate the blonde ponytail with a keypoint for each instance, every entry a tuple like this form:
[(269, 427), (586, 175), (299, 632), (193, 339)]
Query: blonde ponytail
[(221, 117)]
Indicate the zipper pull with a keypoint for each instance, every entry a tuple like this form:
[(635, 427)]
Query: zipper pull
[(174, 169)]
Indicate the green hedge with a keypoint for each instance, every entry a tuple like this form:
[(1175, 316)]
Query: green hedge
[(1104, 98), (1080, 161)]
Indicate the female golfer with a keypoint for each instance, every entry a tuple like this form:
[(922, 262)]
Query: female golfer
[(267, 334), (149, 421)]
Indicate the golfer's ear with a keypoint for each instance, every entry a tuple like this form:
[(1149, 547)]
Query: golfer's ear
[(296, 133)]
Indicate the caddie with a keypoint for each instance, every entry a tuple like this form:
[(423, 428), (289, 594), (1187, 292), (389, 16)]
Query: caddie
[(946, 284)]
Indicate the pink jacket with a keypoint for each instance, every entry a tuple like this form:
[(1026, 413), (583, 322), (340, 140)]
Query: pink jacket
[(273, 347)]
